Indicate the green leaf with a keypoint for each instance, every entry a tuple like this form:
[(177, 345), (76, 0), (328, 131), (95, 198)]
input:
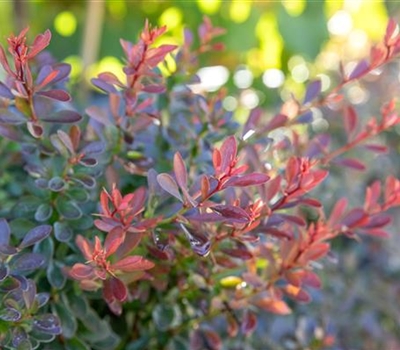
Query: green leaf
[(68, 321), (76, 344), (68, 209), (167, 316), (55, 276), (139, 344), (43, 212), (62, 231), (57, 184), (78, 194), (20, 226)]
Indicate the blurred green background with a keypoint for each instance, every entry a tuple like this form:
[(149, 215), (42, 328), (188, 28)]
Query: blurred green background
[(268, 43)]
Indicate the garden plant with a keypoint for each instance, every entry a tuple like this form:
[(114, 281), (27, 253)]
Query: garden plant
[(158, 221)]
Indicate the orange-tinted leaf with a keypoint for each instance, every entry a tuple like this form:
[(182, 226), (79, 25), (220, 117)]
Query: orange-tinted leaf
[(275, 306), (132, 263)]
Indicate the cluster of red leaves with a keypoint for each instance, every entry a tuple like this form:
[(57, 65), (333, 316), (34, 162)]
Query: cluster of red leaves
[(26, 91), (111, 267)]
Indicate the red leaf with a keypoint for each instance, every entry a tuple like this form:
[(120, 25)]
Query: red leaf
[(113, 240), (350, 120), (59, 95), (297, 294), (390, 32), (84, 246), (315, 252), (351, 163), (157, 55), (276, 122), (180, 171), (40, 43), (167, 182), (118, 288), (232, 326), (252, 179), (205, 187), (249, 322), (376, 148), (313, 90), (228, 153), (338, 211), (132, 263), (81, 271)]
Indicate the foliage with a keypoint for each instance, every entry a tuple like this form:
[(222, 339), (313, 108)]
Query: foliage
[(202, 224)]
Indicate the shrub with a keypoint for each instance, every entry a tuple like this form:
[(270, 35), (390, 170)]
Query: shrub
[(159, 221)]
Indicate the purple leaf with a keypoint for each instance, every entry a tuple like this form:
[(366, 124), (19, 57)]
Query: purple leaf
[(102, 85), (56, 184), (27, 262), (63, 70), (4, 232), (238, 253), (355, 217), (88, 162), (95, 147), (10, 315), (85, 180), (230, 212), (247, 180), (198, 241), (36, 130), (64, 116), (9, 132), (98, 114), (305, 118), (180, 170), (167, 182), (361, 68), (8, 117), (35, 235), (351, 163), (6, 249), (47, 323), (313, 90), (5, 91), (378, 221), (57, 94), (155, 89)]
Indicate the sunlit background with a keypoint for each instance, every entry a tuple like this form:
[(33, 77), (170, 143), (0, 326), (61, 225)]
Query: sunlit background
[(268, 43)]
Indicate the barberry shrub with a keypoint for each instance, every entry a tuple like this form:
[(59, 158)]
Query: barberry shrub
[(158, 221)]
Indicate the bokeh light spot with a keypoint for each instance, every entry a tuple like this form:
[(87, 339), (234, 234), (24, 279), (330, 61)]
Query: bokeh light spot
[(294, 7), (273, 78), (65, 23), (171, 17), (239, 11), (209, 7)]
